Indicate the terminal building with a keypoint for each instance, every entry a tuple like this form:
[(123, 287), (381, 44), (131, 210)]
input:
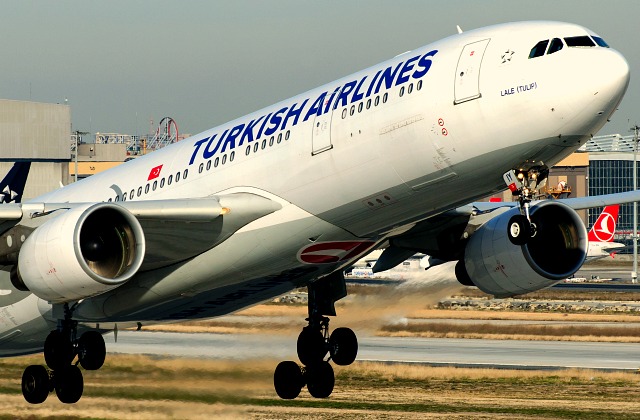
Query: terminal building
[(36, 132)]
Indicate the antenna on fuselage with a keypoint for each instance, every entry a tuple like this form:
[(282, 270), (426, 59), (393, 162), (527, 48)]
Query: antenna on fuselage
[(459, 29)]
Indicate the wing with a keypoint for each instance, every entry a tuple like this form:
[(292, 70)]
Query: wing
[(174, 230)]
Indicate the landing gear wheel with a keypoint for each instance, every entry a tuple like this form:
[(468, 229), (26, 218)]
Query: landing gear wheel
[(91, 350), (288, 380), (311, 346), (35, 384), (68, 384), (518, 230), (58, 350), (343, 345), (320, 379)]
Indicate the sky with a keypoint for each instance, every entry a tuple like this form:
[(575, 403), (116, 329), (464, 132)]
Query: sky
[(122, 63)]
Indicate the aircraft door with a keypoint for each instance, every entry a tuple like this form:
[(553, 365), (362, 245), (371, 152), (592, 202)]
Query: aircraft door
[(467, 83), (321, 136)]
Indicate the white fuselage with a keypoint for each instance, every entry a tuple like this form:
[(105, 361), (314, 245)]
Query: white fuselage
[(412, 137)]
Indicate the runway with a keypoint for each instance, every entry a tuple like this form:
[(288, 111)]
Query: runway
[(431, 351)]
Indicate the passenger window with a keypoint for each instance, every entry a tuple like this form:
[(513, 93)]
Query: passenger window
[(124, 197), (385, 97), (600, 42), (146, 188), (109, 200), (208, 165), (264, 143), (410, 88), (170, 180), (402, 91), (155, 185), (185, 173), (224, 159), (579, 41), (201, 168), (377, 101), (419, 86), (344, 113), (162, 183), (539, 49), (232, 156), (279, 138), (117, 198), (556, 45), (368, 103), (271, 141), (353, 110), (139, 191), (248, 150), (132, 194), (178, 177), (215, 163), (360, 105), (286, 136)]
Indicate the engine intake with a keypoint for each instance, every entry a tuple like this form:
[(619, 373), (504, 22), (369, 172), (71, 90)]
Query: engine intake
[(498, 267), (86, 251)]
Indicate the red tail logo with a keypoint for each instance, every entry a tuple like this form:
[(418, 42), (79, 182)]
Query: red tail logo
[(605, 227)]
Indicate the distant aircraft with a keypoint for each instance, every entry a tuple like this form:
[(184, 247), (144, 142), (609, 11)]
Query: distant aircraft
[(601, 235), (291, 195), (12, 186)]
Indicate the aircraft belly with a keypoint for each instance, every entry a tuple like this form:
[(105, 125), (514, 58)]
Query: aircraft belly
[(475, 178), (258, 262)]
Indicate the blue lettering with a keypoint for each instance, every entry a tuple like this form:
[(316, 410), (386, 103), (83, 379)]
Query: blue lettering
[(330, 101), (262, 126), (408, 66), (346, 90), (248, 131), (373, 82), (316, 107), (275, 121), (425, 63), (294, 112), (387, 77), (231, 138), (197, 146), (208, 152), (356, 95)]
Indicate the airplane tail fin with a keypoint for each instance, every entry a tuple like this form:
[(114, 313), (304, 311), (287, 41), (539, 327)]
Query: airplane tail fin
[(605, 227), (12, 186)]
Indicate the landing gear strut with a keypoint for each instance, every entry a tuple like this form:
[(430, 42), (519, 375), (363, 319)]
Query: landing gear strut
[(523, 183), (60, 349), (315, 342)]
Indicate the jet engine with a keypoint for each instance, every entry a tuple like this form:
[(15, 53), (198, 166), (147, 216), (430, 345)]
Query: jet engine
[(88, 250), (556, 250)]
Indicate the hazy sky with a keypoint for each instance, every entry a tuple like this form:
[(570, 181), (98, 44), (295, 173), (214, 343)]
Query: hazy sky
[(122, 62)]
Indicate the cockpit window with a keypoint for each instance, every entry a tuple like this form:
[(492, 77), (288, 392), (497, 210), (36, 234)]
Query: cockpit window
[(579, 41), (600, 42), (539, 49), (556, 45)]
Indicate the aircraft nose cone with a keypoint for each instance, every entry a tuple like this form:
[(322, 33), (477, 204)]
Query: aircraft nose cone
[(612, 69)]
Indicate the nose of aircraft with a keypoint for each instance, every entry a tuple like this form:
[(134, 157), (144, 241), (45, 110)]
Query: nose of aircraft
[(611, 71)]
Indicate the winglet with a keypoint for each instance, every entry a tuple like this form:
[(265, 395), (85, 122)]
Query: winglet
[(459, 29), (12, 186)]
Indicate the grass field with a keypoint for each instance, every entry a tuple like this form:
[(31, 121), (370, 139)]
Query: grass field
[(135, 387)]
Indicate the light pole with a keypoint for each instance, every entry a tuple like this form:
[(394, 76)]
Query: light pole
[(634, 273)]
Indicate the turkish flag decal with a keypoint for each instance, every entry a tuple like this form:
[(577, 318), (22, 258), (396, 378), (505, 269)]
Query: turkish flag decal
[(155, 172)]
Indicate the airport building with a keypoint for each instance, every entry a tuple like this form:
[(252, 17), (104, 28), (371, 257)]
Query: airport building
[(37, 132)]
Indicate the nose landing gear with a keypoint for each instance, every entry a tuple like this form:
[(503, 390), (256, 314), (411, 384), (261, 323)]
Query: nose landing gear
[(315, 342), (523, 184), (64, 377)]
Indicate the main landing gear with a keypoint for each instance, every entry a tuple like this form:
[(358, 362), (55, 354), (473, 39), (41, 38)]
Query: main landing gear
[(523, 184), (63, 376), (315, 342)]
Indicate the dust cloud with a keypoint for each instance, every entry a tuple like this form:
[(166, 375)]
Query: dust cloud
[(423, 288)]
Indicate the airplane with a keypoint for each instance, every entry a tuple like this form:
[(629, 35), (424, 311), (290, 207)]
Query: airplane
[(601, 234), (291, 195), (12, 185)]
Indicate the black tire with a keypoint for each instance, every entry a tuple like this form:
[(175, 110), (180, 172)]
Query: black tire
[(91, 350), (320, 380), (35, 384), (69, 384), (518, 230), (311, 346), (343, 345), (288, 380), (58, 351)]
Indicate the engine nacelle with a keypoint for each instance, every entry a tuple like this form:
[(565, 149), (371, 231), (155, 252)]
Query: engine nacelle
[(498, 267), (86, 251)]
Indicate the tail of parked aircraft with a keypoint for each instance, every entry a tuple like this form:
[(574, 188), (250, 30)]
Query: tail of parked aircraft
[(605, 227), (12, 186)]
